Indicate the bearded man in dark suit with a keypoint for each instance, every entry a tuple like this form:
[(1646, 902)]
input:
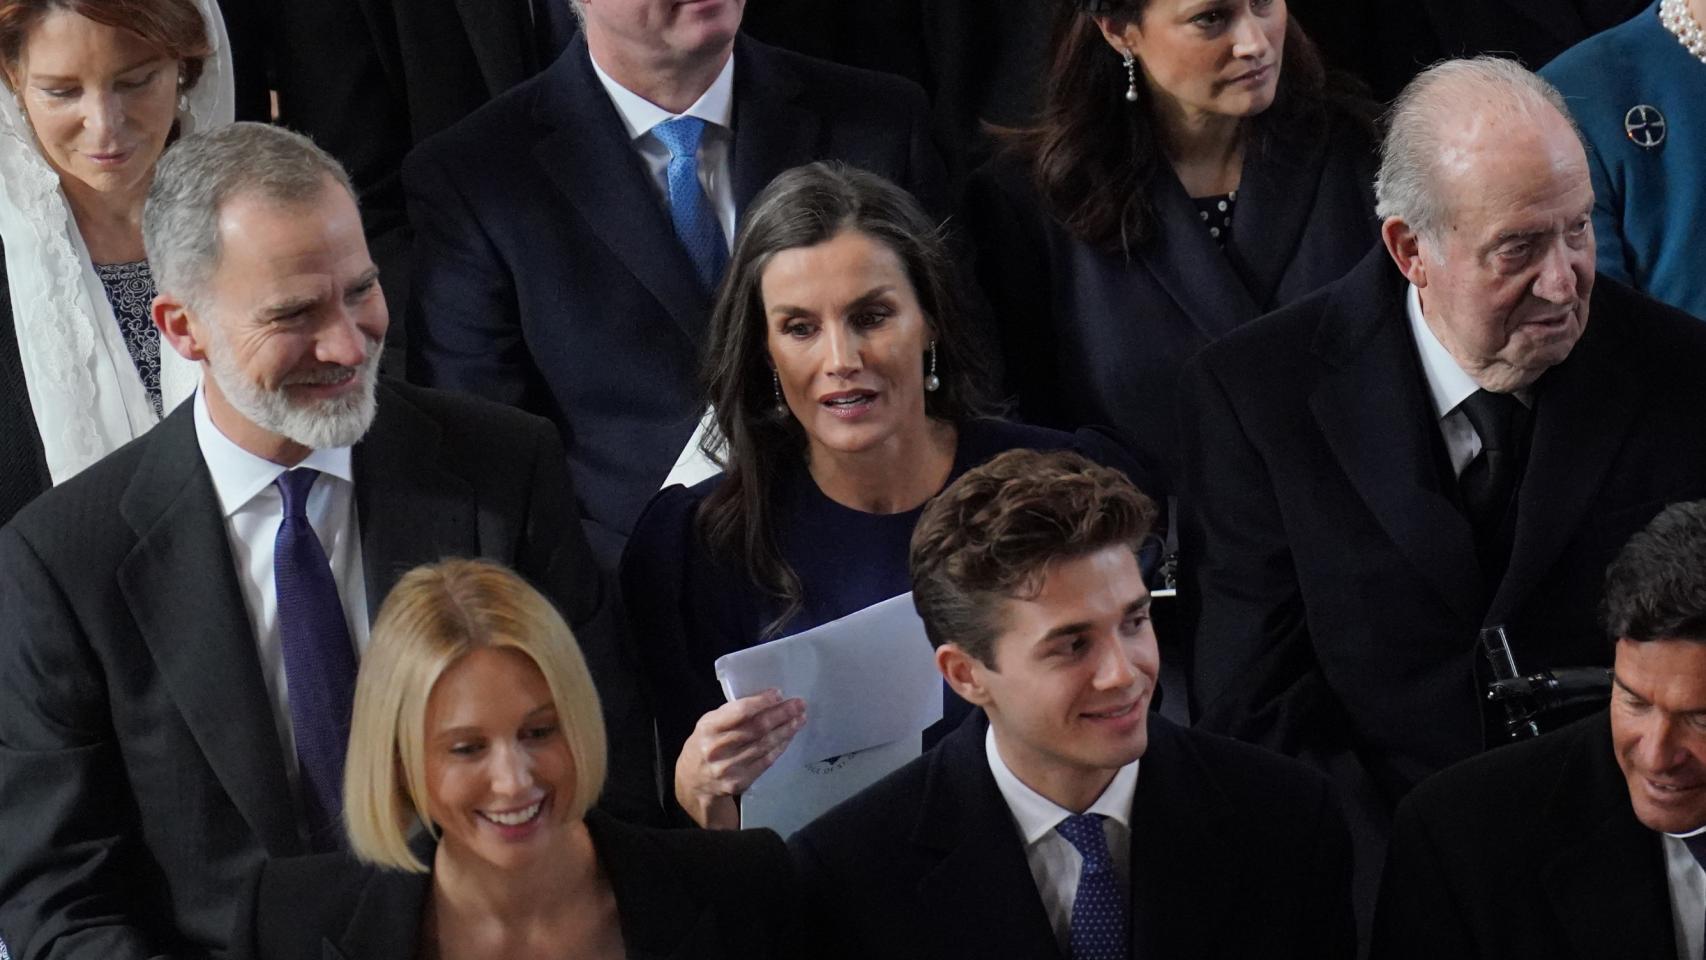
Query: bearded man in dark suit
[(572, 233), (1588, 842), (182, 620), (1457, 435)]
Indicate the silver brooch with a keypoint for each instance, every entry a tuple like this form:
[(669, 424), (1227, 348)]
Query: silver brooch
[(1645, 126)]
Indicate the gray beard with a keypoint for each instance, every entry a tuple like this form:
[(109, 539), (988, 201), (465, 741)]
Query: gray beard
[(337, 422)]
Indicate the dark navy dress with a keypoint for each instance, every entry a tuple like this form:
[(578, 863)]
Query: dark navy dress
[(688, 608)]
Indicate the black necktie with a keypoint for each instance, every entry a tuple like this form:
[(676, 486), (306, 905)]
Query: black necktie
[(1487, 482)]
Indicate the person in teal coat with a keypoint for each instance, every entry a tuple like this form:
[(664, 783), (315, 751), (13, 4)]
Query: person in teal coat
[(1638, 92)]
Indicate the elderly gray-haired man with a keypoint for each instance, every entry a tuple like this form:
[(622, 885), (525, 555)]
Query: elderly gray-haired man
[(182, 622), (1456, 435)]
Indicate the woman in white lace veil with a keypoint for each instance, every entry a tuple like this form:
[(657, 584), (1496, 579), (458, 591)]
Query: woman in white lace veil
[(86, 388)]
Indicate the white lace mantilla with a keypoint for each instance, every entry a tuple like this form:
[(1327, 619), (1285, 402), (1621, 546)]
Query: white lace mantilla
[(86, 395)]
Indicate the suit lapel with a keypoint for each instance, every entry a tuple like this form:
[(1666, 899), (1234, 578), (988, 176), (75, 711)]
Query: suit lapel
[(1191, 267), (1606, 881), (1276, 194), (410, 509), (1375, 416), (772, 132), (964, 819), (181, 585), (386, 922), (1584, 408), (584, 149), (1179, 826), (661, 919), (499, 33), (382, 30)]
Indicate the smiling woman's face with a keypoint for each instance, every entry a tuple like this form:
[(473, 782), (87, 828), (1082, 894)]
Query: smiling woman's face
[(500, 775), (101, 101), (1216, 57)]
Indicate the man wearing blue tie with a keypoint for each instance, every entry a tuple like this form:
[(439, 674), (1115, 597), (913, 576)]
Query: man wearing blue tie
[(1588, 841), (1066, 819), (570, 235), (181, 623)]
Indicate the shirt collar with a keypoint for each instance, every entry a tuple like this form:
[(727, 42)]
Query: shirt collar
[(639, 115), (238, 475), (1448, 385), (1037, 815)]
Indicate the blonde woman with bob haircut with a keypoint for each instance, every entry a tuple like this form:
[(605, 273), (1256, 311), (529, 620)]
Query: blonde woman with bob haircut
[(476, 754)]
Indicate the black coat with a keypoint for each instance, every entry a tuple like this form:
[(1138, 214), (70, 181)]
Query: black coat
[(550, 277), (1531, 852), (1091, 337), (23, 466), (1336, 585), (140, 766), (681, 895), (1234, 853)]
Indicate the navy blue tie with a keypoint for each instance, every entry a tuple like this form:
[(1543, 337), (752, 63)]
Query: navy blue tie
[(319, 661), (1098, 909), (690, 209)]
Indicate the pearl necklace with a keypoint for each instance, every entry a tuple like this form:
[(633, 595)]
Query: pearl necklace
[(1676, 18)]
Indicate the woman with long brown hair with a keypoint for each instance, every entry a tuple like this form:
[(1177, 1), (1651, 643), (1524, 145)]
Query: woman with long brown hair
[(847, 385), (1193, 167)]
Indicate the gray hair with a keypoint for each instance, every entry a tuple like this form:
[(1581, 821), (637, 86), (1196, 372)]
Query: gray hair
[(201, 172), (1407, 186)]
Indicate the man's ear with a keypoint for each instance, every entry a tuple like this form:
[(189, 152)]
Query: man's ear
[(1404, 245), (180, 327), (964, 673)]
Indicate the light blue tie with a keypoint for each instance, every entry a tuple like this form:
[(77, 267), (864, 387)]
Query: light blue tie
[(690, 209), (1098, 909)]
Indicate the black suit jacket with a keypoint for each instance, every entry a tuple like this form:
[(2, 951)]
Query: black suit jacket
[(550, 277), (1531, 851), (23, 467), (681, 894), (1234, 853), (1091, 337), (1334, 579), (1408, 36), (140, 768), (369, 79)]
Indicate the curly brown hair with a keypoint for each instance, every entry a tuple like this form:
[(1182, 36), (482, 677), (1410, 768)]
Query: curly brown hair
[(994, 532), (174, 26)]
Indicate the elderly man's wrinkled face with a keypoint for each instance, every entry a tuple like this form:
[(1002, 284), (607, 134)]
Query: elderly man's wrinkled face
[(1505, 283), (291, 324), (1658, 728)]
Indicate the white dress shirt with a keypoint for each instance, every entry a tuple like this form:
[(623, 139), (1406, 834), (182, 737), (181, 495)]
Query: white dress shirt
[(716, 107), (253, 508), (1054, 861), (1448, 386), (1687, 895)]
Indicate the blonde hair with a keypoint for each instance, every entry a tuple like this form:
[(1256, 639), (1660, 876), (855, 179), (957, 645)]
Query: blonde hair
[(436, 615)]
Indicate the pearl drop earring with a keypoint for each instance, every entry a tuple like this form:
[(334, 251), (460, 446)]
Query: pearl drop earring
[(1130, 77)]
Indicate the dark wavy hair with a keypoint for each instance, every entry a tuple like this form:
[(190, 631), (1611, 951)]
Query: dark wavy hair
[(993, 533), (804, 207), (174, 26), (1656, 588), (1092, 156)]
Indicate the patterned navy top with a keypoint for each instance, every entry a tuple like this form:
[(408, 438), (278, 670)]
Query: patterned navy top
[(130, 290)]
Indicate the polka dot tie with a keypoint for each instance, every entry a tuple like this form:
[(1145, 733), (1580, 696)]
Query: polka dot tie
[(689, 208), (1098, 909)]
